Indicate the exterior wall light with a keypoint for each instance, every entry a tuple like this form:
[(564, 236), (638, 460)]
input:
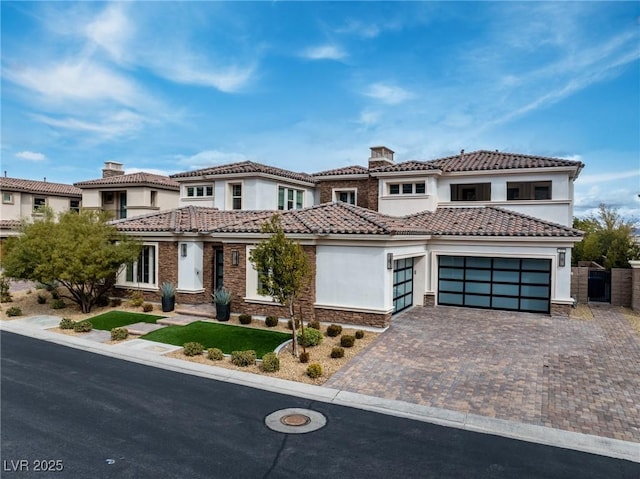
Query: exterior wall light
[(235, 258), (183, 250), (389, 260), (562, 257)]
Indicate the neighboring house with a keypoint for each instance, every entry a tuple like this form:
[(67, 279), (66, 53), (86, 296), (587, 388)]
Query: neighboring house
[(26, 198), (380, 239), (128, 195)]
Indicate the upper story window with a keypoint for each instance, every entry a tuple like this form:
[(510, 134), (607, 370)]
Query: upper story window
[(345, 196), (199, 191), (289, 198), (236, 196), (39, 202), (417, 188), (529, 190), (471, 192), (7, 198), (74, 205), (154, 198)]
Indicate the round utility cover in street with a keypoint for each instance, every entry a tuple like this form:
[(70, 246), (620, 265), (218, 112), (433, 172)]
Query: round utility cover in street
[(295, 421)]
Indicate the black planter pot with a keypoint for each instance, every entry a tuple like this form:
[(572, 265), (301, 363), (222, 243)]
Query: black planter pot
[(168, 304), (223, 312)]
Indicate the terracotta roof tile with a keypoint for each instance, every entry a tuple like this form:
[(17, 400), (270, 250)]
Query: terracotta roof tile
[(9, 224), (245, 167), (483, 160), (405, 166), (132, 179), (44, 187), (346, 170)]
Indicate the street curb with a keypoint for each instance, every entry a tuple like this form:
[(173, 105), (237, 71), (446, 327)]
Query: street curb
[(603, 446)]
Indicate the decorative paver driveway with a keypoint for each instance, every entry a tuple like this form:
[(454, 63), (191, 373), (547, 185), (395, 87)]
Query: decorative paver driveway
[(577, 375)]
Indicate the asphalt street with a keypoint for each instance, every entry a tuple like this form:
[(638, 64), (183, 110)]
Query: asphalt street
[(95, 416)]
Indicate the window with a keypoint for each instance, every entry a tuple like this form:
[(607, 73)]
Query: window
[(143, 271), (39, 203), (289, 198), (236, 197), (471, 192), (529, 190), (7, 198), (346, 196), (199, 191), (154, 198), (108, 198), (407, 188), (74, 205)]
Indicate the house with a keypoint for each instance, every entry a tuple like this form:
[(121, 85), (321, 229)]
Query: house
[(25, 199), (127, 195), (458, 231)]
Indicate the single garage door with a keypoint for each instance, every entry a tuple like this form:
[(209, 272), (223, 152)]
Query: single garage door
[(402, 284), (516, 284)]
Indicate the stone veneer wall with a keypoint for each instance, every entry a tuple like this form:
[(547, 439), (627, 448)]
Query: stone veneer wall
[(580, 284), (560, 309), (377, 320), (621, 287), (362, 186)]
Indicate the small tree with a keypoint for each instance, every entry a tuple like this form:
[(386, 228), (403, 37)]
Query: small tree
[(608, 239), (283, 269), (81, 251)]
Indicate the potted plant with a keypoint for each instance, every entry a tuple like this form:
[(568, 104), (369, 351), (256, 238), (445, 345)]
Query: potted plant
[(168, 296), (222, 300)]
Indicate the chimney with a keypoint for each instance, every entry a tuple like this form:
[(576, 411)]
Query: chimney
[(380, 156), (112, 168)]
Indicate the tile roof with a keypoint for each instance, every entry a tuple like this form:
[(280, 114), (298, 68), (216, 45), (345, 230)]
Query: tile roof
[(346, 170), (9, 224), (484, 160), (343, 218), (132, 179), (405, 166), (33, 186), (486, 221), (246, 167)]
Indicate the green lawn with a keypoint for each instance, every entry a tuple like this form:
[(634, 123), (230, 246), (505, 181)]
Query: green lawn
[(226, 337), (118, 319)]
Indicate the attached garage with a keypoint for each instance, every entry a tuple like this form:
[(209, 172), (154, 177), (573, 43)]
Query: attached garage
[(402, 284), (514, 284)]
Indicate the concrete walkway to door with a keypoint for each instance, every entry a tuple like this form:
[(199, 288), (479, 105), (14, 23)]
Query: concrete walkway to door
[(576, 375)]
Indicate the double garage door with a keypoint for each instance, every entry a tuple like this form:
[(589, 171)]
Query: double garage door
[(516, 284)]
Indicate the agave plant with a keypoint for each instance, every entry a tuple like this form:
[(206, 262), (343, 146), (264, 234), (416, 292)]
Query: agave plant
[(168, 290), (221, 296)]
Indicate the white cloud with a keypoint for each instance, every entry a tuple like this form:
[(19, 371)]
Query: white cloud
[(116, 124), (605, 177), (369, 117), (228, 79), (31, 156), (390, 94), (207, 158), (112, 31), (154, 171), (324, 52)]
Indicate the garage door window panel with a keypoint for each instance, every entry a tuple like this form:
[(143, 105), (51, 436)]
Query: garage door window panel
[(505, 303)]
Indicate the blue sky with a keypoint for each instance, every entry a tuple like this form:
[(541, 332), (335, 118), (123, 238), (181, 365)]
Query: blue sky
[(168, 87)]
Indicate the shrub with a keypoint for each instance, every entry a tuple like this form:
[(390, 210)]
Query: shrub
[(347, 341), (245, 319), (315, 324), (271, 321), (314, 370), (58, 304), (192, 349), (334, 330), (215, 354), (243, 358), (42, 299), (311, 337), (289, 324), (55, 294), (102, 300), (51, 287), (118, 334), (66, 323), (270, 363), (168, 290), (82, 326), (304, 357), (115, 302), (14, 311), (147, 307), (337, 352), (5, 295), (359, 334), (221, 296), (136, 298)]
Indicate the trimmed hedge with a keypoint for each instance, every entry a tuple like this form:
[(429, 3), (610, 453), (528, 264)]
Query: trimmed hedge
[(192, 349), (270, 363), (243, 358)]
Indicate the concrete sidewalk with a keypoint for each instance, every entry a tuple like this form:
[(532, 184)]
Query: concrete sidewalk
[(152, 354)]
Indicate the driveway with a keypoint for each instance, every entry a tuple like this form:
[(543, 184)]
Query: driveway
[(576, 375)]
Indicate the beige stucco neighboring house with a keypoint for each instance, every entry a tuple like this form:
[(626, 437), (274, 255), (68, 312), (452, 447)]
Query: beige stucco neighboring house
[(128, 195)]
